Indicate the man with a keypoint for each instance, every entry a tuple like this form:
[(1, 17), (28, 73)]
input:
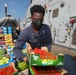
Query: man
[(37, 34)]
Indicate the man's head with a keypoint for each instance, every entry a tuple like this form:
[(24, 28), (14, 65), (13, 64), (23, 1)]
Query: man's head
[(37, 16), (37, 9)]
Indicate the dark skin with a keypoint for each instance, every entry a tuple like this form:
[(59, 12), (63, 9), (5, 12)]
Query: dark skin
[(37, 16)]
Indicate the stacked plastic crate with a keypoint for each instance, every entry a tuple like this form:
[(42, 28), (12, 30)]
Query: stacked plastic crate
[(8, 36)]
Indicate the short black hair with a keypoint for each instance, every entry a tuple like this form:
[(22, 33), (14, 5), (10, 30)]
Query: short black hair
[(38, 9)]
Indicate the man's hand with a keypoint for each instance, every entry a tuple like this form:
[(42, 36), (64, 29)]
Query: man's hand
[(25, 59), (28, 48), (44, 48)]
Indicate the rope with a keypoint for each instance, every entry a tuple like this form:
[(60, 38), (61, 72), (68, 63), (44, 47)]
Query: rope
[(4, 22)]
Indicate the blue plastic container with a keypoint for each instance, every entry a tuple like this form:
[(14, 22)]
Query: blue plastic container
[(5, 31), (0, 66), (9, 28), (5, 28), (9, 32), (5, 65)]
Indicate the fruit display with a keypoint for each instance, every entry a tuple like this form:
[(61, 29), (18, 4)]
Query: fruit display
[(48, 70), (2, 51), (4, 60), (40, 57), (8, 35), (9, 70)]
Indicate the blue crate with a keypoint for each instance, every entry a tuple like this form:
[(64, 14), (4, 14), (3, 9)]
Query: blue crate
[(9, 32), (5, 65), (4, 28), (0, 66), (9, 28), (4, 31), (12, 56)]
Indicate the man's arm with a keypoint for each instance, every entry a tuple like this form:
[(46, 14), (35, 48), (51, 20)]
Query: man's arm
[(50, 36), (19, 46)]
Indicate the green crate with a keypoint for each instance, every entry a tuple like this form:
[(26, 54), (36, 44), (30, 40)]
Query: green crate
[(35, 60)]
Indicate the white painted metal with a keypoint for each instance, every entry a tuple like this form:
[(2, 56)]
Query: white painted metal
[(60, 24)]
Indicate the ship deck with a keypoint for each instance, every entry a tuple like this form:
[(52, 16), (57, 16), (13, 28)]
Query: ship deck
[(56, 49)]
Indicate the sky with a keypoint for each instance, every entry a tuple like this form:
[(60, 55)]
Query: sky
[(15, 8)]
